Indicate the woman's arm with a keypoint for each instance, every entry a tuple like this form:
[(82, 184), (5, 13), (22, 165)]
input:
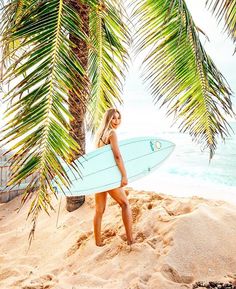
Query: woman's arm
[(118, 158)]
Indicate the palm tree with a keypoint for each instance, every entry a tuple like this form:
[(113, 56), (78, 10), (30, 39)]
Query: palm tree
[(77, 107), (41, 52)]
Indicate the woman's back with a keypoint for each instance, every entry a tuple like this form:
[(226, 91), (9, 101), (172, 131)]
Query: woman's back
[(104, 139)]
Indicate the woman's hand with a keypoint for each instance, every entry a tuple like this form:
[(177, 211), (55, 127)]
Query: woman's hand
[(124, 181)]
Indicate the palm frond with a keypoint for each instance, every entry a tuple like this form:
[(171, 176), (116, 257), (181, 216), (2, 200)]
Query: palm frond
[(107, 59), (225, 11), (180, 73), (38, 116), (10, 16)]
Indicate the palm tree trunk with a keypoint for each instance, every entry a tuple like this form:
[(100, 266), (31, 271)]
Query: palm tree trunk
[(76, 107)]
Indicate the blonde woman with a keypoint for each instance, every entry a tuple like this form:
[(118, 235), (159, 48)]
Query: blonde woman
[(105, 135)]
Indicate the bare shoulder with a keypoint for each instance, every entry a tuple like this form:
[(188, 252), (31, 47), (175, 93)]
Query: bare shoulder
[(112, 133), (112, 136)]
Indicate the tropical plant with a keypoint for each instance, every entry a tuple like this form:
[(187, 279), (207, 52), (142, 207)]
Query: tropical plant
[(225, 11), (180, 72), (40, 52), (77, 107), (43, 74), (41, 62)]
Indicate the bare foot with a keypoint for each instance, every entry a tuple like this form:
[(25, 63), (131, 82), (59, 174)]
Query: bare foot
[(130, 242), (100, 244), (129, 246)]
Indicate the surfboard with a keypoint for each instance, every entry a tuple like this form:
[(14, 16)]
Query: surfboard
[(98, 171)]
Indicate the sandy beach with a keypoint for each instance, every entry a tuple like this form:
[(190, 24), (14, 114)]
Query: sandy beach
[(178, 241)]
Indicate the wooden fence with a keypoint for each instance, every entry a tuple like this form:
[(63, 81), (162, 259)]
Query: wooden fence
[(8, 193)]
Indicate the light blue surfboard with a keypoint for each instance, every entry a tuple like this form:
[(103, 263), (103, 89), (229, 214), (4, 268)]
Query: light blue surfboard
[(99, 172)]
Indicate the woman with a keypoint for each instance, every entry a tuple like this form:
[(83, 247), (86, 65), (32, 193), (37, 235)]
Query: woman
[(106, 135)]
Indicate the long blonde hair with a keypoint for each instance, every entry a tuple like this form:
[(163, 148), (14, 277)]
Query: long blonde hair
[(105, 126)]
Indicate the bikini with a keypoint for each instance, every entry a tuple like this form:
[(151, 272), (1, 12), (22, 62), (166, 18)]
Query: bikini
[(103, 141)]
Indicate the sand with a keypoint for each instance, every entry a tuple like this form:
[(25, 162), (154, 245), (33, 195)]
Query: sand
[(178, 241)]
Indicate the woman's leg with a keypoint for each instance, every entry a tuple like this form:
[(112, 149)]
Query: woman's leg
[(119, 195), (100, 203)]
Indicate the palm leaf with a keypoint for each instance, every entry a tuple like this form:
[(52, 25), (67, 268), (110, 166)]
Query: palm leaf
[(107, 59), (10, 15), (225, 10), (38, 119), (180, 73)]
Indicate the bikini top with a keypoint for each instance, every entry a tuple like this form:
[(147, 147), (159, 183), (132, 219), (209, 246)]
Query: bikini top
[(103, 140)]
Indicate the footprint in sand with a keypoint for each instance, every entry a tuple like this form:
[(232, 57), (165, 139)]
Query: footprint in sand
[(139, 282), (172, 274), (82, 238), (154, 242), (8, 272), (140, 237), (163, 215), (157, 197), (178, 208), (108, 234), (123, 237), (136, 211), (46, 281)]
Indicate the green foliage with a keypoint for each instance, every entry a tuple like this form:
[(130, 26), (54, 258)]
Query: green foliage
[(108, 54), (225, 11), (180, 72), (45, 69)]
